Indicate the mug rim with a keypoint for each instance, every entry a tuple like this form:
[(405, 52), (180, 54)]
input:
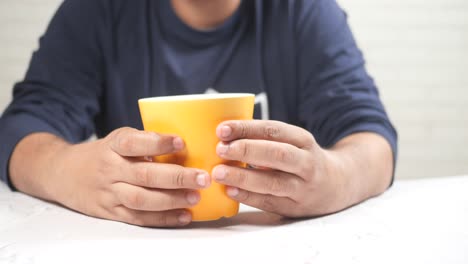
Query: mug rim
[(194, 97)]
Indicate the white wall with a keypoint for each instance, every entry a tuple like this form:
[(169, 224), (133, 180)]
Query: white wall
[(417, 50), (21, 24)]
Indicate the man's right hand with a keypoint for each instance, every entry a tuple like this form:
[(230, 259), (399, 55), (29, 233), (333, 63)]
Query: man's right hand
[(110, 178)]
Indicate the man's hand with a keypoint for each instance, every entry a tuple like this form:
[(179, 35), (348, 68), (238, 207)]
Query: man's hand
[(111, 178), (291, 175)]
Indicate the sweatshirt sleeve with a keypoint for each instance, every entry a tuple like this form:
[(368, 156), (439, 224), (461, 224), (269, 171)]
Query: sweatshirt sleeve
[(337, 96), (60, 92)]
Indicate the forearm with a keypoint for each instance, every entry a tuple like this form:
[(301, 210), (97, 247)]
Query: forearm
[(364, 167), (33, 164)]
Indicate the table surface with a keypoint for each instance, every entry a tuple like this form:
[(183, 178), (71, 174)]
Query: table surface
[(416, 221)]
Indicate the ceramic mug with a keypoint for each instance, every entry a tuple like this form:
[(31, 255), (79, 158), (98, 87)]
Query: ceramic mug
[(194, 118)]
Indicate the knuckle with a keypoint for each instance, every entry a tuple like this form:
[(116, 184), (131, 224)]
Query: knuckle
[(244, 196), (271, 132), (160, 219), (157, 142), (292, 185), (281, 155), (178, 178), (190, 178), (153, 136), (268, 204), (129, 216), (143, 177), (307, 169), (245, 150), (172, 202), (126, 143), (309, 140), (177, 201), (117, 134), (242, 148), (136, 200), (276, 186), (244, 130), (241, 178), (136, 220)]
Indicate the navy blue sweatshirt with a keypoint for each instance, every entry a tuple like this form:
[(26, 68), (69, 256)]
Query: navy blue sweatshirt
[(98, 57)]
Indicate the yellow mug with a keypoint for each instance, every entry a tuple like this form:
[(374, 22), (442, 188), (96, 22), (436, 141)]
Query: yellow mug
[(194, 118)]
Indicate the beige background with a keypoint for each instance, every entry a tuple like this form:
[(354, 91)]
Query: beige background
[(417, 50)]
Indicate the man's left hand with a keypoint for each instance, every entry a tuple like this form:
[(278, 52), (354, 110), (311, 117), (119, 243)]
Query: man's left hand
[(289, 173)]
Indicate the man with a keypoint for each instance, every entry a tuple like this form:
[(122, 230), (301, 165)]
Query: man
[(331, 146)]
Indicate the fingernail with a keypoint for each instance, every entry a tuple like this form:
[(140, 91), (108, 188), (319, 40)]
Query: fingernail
[(202, 179), (219, 173), (225, 131), (232, 191), (178, 143), (222, 148), (185, 218), (193, 198)]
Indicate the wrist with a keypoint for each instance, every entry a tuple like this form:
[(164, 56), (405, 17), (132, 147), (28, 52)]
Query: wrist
[(362, 166), (33, 177), (338, 167), (55, 172)]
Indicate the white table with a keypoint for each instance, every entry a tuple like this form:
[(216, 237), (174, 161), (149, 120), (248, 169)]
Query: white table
[(418, 221)]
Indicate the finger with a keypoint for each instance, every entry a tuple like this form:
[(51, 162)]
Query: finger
[(171, 218), (166, 176), (265, 129), (143, 199), (130, 142), (275, 155), (265, 202), (272, 182)]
